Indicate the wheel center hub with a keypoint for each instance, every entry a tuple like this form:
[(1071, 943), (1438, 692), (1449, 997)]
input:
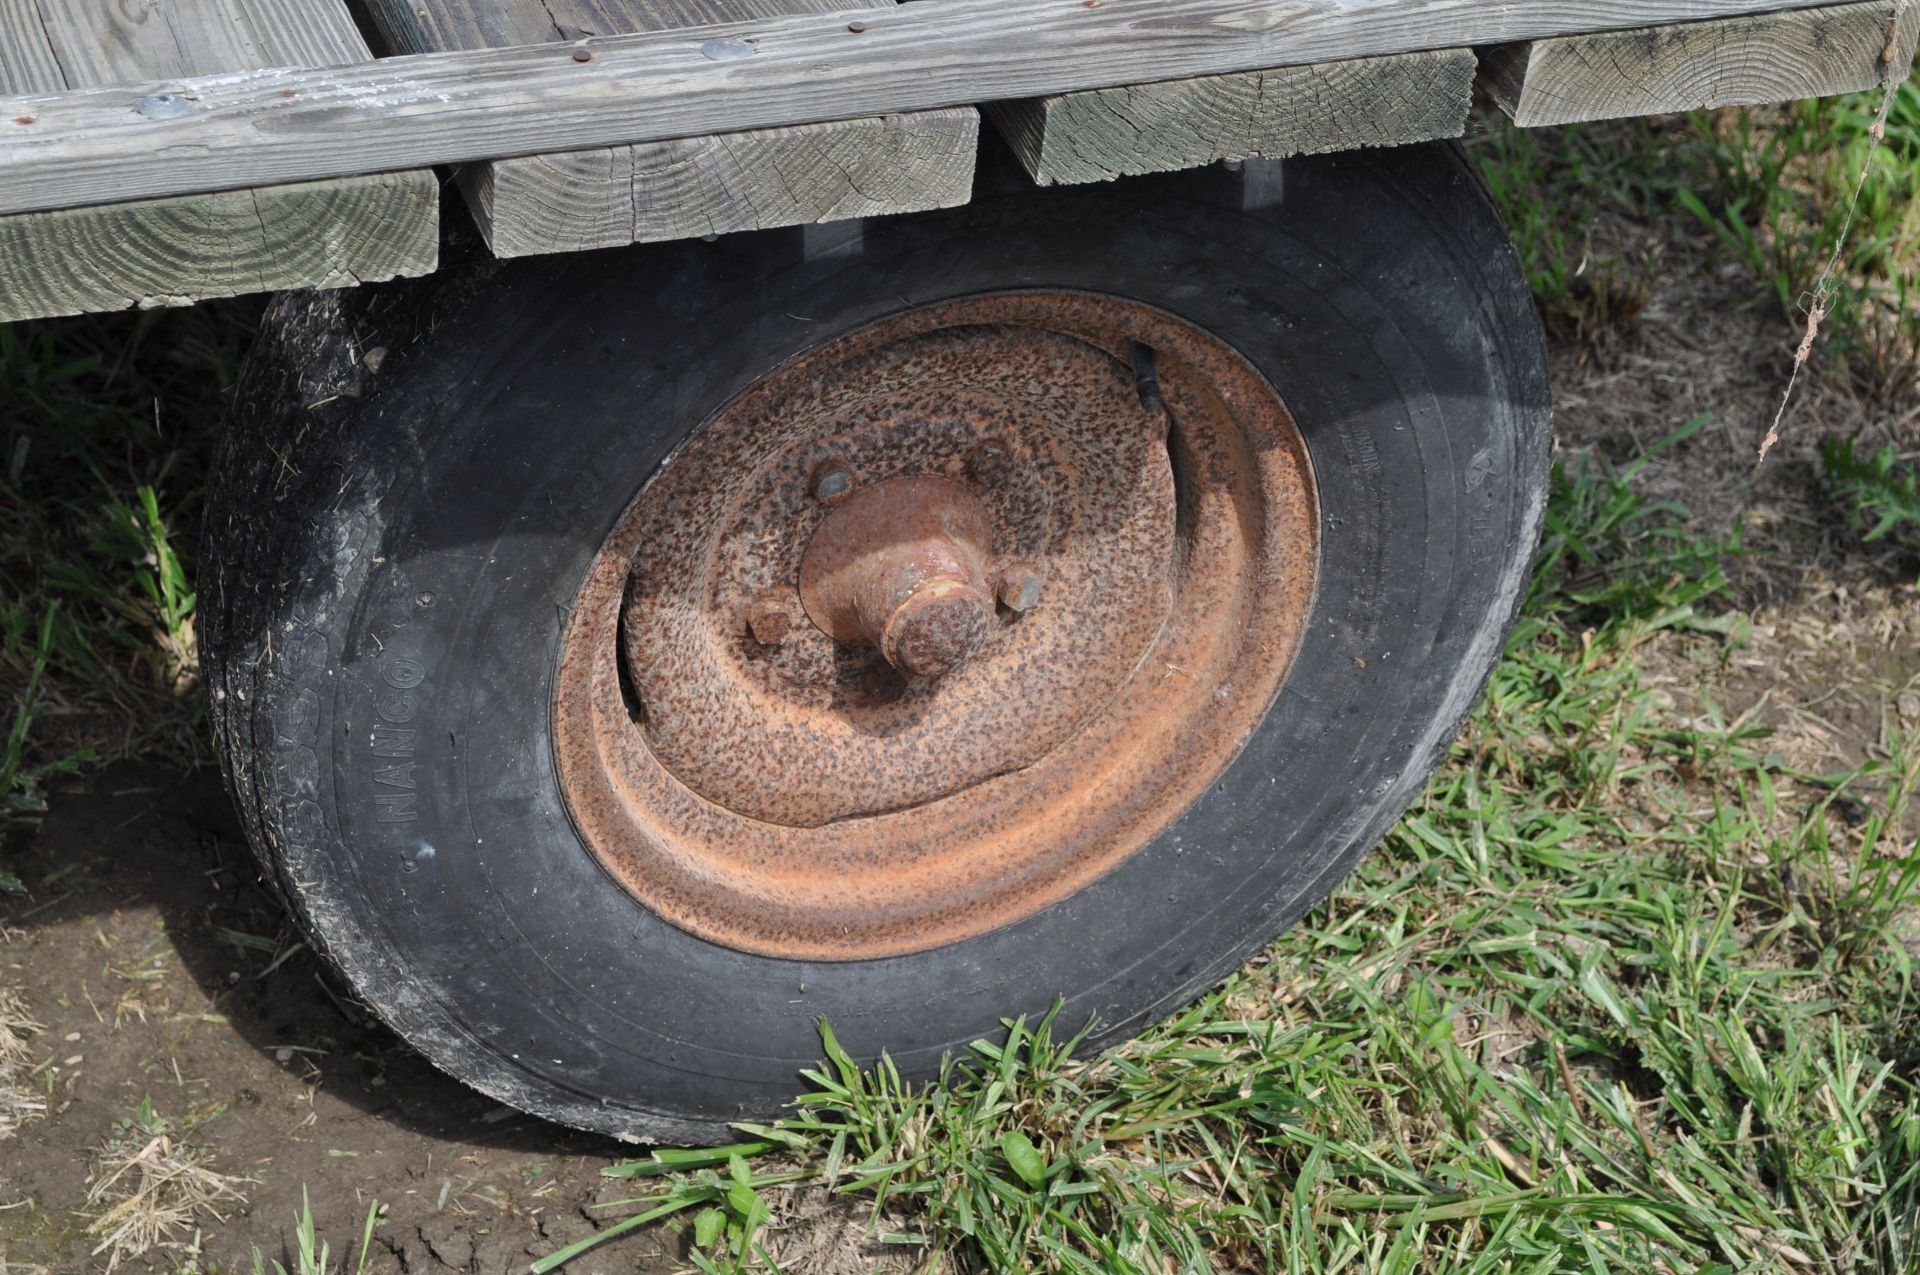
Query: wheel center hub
[(902, 567), (812, 628)]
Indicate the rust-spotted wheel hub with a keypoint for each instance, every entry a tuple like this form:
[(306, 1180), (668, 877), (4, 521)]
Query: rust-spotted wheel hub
[(902, 567), (935, 624)]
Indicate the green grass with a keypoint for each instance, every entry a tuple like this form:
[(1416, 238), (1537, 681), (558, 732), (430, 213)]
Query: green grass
[(1555, 188), (1773, 186), (311, 1255), (1879, 495), (105, 429), (1621, 993), (1780, 191)]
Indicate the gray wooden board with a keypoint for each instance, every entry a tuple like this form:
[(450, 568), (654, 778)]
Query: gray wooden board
[(1732, 62), (27, 61), (293, 124), (751, 180), (51, 45), (724, 182), (176, 250), (1300, 110)]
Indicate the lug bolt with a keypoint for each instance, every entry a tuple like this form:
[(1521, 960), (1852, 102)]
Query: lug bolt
[(1019, 588), (831, 483), (770, 620)]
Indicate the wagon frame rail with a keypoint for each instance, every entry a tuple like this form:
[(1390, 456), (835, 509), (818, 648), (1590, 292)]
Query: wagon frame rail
[(300, 124), (164, 152)]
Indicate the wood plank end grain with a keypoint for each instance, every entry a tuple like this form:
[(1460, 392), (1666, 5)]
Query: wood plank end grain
[(1741, 61), (1304, 110), (333, 233), (182, 248), (725, 182)]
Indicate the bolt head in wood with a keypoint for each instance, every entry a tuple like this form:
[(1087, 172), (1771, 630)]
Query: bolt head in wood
[(163, 106)]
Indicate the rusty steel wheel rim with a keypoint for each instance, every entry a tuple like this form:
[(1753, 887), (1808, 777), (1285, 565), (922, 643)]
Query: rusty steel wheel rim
[(935, 624)]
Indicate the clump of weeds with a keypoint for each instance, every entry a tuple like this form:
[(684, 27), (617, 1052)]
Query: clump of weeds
[(106, 425)]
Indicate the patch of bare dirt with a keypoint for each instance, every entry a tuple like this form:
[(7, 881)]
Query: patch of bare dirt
[(1831, 663), (159, 970)]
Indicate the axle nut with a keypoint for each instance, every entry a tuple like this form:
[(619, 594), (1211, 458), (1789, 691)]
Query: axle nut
[(936, 629), (901, 567)]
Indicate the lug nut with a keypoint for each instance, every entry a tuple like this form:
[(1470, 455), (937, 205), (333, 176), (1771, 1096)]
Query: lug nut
[(1019, 589), (988, 461), (770, 620), (831, 483)]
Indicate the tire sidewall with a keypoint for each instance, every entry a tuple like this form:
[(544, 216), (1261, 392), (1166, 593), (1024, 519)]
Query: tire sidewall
[(414, 788)]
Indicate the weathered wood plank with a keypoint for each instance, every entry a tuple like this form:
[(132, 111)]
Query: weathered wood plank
[(727, 182), (427, 25), (605, 197), (1301, 110), (105, 43), (27, 62), (300, 123), (238, 35), (1742, 61), (175, 251), (172, 251), (90, 42)]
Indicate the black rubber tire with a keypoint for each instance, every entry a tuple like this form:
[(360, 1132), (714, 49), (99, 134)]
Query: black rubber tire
[(417, 475)]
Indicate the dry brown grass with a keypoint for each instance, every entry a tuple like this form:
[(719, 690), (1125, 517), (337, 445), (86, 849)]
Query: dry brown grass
[(18, 1103), (149, 1186), (812, 1229), (16, 1268)]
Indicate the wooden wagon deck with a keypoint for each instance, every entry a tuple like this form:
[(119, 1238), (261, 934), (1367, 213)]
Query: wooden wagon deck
[(163, 151)]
